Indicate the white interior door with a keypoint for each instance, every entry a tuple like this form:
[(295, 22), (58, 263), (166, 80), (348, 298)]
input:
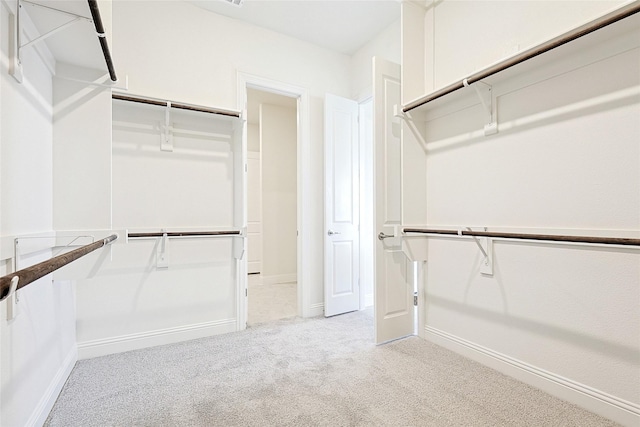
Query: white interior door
[(341, 240), (393, 296)]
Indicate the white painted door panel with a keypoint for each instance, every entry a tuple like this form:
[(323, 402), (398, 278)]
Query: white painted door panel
[(341, 282), (394, 312)]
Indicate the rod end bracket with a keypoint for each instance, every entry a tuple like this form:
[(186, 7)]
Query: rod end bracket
[(12, 299)]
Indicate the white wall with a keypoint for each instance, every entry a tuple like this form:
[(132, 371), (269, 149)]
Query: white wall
[(253, 137), (190, 186), (198, 61), (497, 29), (278, 139), (27, 134), (133, 299), (566, 160), (81, 151), (195, 55), (37, 348), (385, 45)]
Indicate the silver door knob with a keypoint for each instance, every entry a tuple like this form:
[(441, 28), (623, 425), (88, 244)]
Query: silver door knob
[(331, 232), (382, 236)]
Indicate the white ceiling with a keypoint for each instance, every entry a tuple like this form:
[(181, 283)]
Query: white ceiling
[(339, 25)]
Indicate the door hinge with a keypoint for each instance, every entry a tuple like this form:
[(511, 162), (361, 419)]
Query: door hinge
[(415, 299)]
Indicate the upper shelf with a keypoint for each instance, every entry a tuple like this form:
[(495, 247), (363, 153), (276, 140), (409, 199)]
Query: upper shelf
[(593, 29), (72, 31)]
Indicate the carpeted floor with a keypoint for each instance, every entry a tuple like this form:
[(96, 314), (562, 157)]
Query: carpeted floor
[(303, 372), (270, 302)]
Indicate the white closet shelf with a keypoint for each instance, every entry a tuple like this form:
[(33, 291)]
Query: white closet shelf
[(621, 21), (71, 30)]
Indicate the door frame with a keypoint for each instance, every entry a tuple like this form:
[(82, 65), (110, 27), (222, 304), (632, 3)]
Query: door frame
[(304, 267), (255, 156), (367, 194)]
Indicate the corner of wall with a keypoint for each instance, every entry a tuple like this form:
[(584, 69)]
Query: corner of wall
[(49, 397)]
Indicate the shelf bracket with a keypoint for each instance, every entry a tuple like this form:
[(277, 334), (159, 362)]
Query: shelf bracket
[(486, 247), (162, 252), (108, 84), (59, 11), (15, 66), (15, 63), (239, 243), (45, 36), (12, 299), (166, 138), (397, 112), (485, 94)]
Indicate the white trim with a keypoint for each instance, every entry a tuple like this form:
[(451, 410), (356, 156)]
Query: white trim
[(304, 263), (316, 309), (594, 400), (368, 301), (122, 343), (278, 278), (367, 158), (48, 399), (254, 228)]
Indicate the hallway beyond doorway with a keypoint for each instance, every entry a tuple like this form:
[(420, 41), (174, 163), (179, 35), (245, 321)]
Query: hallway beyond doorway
[(270, 302)]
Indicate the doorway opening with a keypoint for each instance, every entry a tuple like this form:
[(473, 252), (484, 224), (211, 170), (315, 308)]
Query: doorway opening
[(309, 259), (271, 206), (305, 216)]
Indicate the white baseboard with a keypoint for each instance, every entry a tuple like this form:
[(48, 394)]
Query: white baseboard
[(604, 404), (278, 278), (41, 411), (316, 309), (119, 344)]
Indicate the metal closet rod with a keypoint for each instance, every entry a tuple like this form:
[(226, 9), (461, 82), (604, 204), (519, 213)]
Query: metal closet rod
[(596, 24), (35, 272), (185, 233), (526, 236), (97, 21), (178, 105)]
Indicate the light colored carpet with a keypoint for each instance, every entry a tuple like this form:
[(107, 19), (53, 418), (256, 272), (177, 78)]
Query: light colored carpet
[(303, 372), (270, 302)]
